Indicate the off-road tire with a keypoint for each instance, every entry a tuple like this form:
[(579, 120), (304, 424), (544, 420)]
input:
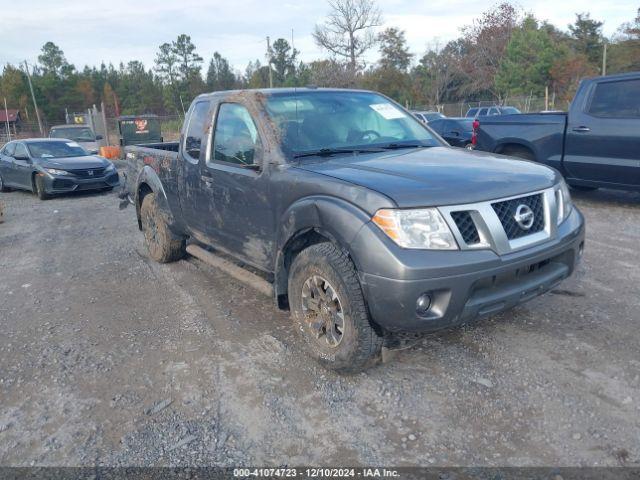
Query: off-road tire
[(163, 245), (361, 345), (40, 190)]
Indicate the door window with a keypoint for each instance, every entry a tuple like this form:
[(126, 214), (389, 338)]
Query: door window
[(9, 149), (196, 131), (236, 138), (21, 150), (482, 112), (619, 99)]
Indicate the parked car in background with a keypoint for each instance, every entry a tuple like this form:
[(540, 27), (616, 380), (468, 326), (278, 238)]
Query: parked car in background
[(491, 111), (365, 223), (458, 132), (427, 117), (47, 166), (138, 129), (596, 144), (82, 134)]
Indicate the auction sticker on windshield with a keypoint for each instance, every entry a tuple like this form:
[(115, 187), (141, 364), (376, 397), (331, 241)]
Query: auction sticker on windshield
[(73, 144), (387, 110)]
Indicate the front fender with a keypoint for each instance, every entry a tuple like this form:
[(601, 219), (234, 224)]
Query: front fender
[(333, 218), (149, 177)]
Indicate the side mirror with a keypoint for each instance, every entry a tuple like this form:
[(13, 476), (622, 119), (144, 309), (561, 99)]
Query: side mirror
[(22, 157), (99, 137)]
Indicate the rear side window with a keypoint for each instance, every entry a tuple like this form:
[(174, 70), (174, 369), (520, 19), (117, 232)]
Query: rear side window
[(236, 138), (195, 131), (616, 99)]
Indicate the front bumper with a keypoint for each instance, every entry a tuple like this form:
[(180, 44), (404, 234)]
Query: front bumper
[(69, 183), (462, 285)]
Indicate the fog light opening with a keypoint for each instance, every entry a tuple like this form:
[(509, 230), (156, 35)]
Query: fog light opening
[(423, 304), (581, 250)]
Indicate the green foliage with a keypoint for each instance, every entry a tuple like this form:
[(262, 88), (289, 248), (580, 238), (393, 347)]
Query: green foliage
[(219, 74), (502, 53), (283, 61), (394, 52), (530, 54), (586, 37)]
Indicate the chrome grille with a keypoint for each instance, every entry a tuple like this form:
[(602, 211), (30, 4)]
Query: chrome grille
[(506, 212)]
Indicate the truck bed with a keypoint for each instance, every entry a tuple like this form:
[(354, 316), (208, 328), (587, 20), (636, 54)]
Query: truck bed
[(160, 157), (541, 133)]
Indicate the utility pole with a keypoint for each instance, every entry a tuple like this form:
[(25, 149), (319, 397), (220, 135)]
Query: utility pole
[(6, 112), (104, 124), (33, 97), (604, 58), (269, 62)]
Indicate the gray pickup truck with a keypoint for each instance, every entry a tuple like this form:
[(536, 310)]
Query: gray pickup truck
[(596, 144), (366, 224)]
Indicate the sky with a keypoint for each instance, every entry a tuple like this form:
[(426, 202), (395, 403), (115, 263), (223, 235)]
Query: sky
[(91, 32)]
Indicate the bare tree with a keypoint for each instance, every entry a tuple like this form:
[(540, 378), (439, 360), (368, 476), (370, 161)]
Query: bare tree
[(347, 31), (486, 41)]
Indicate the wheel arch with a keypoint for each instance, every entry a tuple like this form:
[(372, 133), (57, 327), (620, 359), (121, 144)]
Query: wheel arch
[(149, 182), (515, 144), (310, 221)]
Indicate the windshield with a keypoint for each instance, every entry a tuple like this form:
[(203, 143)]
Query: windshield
[(84, 134), (319, 120), (56, 150)]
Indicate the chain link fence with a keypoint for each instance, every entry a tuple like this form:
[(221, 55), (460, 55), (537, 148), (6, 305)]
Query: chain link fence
[(524, 104), (171, 124)]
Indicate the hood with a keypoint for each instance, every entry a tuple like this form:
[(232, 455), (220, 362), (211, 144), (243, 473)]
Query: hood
[(74, 163), (438, 176)]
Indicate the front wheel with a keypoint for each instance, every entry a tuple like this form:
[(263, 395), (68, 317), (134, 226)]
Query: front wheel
[(41, 191), (163, 245), (329, 310)]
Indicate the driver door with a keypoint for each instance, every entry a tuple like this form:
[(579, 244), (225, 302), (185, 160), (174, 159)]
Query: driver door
[(22, 166)]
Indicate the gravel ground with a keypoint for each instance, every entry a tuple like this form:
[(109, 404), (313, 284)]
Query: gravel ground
[(107, 358)]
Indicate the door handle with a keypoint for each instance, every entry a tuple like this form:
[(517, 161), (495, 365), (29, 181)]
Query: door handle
[(581, 128)]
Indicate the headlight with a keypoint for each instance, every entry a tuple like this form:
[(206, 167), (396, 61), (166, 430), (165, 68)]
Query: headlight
[(55, 171), (110, 168), (563, 201), (416, 228)]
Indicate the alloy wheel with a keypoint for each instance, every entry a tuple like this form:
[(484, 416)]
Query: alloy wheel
[(323, 311)]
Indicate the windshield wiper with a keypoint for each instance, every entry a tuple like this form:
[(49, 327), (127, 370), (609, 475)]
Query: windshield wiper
[(397, 146), (327, 152)]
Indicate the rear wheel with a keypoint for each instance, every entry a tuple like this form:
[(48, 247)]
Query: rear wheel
[(329, 310), (163, 245), (41, 192), (519, 152)]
